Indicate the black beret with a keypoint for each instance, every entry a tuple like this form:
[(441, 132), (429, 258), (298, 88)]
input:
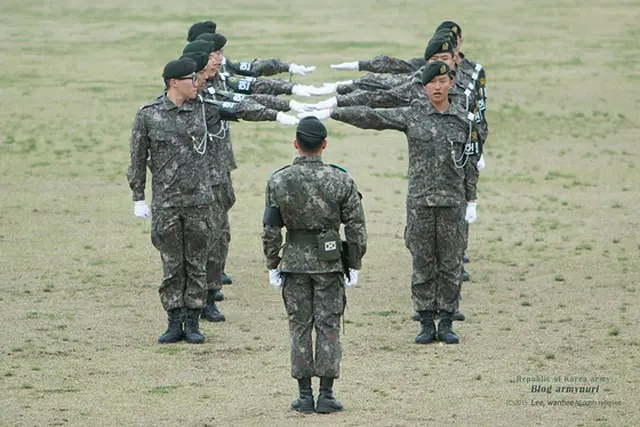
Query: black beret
[(450, 25), (433, 69), (438, 45), (200, 27), (219, 41), (311, 127), (199, 46), (446, 34), (200, 58), (179, 68)]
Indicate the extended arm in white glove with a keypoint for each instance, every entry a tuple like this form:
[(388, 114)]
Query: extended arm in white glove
[(300, 107), (327, 104), (346, 66), (353, 278), (301, 70), (470, 215), (286, 119), (300, 90), (141, 210), (275, 278), (319, 114)]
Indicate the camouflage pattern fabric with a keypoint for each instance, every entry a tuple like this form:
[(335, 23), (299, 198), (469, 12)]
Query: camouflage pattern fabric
[(436, 239), (386, 64), (314, 301), (255, 68), (182, 235), (312, 196), (442, 150)]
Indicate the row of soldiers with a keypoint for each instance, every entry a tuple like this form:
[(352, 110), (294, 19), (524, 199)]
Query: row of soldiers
[(183, 137)]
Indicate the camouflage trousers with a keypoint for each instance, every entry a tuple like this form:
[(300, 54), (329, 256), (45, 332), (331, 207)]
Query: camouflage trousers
[(314, 300), (435, 236), (219, 245), (182, 236)]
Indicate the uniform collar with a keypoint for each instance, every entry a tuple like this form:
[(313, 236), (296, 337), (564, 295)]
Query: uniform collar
[(307, 159), (168, 105)]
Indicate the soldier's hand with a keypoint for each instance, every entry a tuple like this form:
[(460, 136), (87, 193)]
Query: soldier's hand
[(471, 216), (353, 278), (481, 164), (300, 107), (327, 103), (300, 90), (301, 70), (319, 114), (286, 119), (353, 66), (275, 278), (141, 210)]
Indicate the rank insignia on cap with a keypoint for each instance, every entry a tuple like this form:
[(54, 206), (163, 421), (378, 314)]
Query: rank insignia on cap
[(454, 29), (445, 46), (443, 69)]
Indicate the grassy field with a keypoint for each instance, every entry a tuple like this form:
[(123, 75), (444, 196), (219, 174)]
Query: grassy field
[(555, 253)]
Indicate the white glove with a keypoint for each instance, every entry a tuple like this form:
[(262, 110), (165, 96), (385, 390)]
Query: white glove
[(326, 89), (470, 216), (275, 279), (481, 164), (301, 69), (286, 119), (353, 278), (300, 90), (141, 210), (300, 107), (346, 66), (318, 114), (327, 103)]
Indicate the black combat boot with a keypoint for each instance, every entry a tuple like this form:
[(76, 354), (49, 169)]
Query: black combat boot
[(465, 258), (458, 316), (427, 333), (326, 402), (218, 296), (226, 280), (304, 403), (192, 332), (174, 332), (415, 317), (211, 312), (465, 276), (445, 334)]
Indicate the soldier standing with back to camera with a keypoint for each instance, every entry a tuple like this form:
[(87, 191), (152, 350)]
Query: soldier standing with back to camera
[(312, 199)]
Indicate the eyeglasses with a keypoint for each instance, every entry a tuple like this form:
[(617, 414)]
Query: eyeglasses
[(192, 77)]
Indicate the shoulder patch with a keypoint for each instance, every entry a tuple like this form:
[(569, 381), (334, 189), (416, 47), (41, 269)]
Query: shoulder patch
[(333, 165), (278, 170)]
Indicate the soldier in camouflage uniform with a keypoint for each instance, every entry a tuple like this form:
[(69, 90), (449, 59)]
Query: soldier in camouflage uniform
[(312, 199), (442, 181), (239, 106), (170, 137)]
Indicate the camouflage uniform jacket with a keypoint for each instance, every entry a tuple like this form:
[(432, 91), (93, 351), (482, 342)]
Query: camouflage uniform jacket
[(171, 140), (312, 196), (255, 68), (442, 153), (385, 64)]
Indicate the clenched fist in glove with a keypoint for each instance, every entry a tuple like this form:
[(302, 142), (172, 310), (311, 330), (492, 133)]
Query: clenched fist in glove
[(481, 164), (286, 119), (353, 278), (300, 107), (275, 278), (470, 216), (346, 66), (141, 210)]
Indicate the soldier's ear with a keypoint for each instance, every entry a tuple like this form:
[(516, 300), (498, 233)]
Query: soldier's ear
[(324, 143), (295, 144)]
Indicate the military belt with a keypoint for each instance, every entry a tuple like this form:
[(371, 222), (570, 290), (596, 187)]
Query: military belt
[(303, 236)]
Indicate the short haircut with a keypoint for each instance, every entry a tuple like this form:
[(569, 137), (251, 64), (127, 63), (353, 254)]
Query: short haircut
[(309, 144)]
